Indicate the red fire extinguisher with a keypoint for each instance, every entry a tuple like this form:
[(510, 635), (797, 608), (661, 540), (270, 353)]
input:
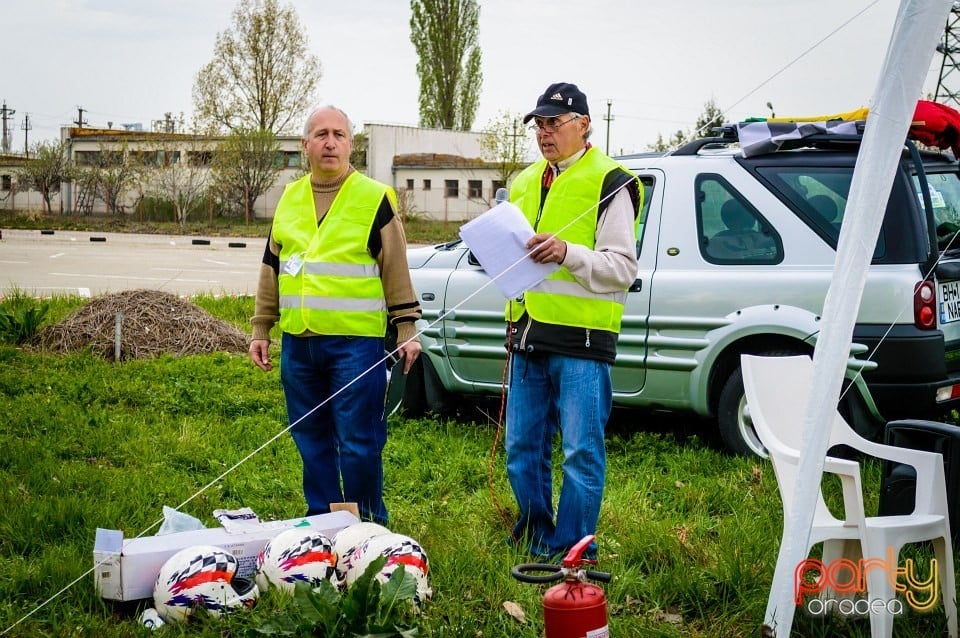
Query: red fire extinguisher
[(574, 608)]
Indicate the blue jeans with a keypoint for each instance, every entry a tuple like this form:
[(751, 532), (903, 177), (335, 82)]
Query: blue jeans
[(343, 439), (551, 393)]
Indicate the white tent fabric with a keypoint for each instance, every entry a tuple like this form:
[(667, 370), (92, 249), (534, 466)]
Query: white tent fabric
[(912, 44)]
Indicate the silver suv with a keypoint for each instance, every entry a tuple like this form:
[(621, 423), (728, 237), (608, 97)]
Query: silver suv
[(736, 255)]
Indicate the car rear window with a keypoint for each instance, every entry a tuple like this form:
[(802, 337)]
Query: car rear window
[(944, 189), (819, 195)]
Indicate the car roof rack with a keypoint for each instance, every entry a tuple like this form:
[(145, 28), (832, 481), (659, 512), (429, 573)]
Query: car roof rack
[(727, 134)]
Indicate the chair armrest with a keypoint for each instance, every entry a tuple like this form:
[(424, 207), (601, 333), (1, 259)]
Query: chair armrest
[(851, 487)]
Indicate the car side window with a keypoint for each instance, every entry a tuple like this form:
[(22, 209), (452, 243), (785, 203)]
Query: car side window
[(649, 184), (731, 231)]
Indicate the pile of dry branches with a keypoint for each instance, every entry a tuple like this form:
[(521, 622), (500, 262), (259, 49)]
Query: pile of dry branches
[(151, 323)]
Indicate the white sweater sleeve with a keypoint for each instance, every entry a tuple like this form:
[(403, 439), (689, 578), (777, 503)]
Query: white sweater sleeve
[(612, 265)]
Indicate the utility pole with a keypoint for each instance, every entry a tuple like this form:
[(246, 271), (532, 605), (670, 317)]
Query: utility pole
[(950, 48), (26, 131), (5, 114), (608, 118), (80, 121)]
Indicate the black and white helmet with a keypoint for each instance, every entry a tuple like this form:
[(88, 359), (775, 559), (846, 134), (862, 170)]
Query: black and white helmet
[(201, 577)]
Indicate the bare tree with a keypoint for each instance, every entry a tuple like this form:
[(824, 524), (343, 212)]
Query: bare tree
[(181, 174), (119, 172), (244, 166), (505, 141), (45, 171), (445, 35), (262, 75)]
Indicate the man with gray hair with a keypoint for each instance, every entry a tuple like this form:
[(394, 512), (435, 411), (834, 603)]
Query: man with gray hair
[(562, 334), (335, 277)]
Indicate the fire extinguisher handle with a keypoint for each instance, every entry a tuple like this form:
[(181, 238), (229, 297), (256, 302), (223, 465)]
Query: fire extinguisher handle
[(603, 577), (553, 573)]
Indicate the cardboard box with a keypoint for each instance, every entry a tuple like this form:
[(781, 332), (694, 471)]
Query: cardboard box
[(125, 569)]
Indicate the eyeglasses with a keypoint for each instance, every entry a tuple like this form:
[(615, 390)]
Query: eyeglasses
[(550, 125)]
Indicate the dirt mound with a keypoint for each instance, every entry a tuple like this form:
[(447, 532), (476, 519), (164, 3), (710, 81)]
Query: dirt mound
[(152, 323)]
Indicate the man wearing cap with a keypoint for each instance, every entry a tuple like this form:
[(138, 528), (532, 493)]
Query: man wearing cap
[(562, 333)]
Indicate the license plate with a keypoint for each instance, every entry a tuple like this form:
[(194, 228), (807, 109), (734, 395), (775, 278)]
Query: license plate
[(949, 301)]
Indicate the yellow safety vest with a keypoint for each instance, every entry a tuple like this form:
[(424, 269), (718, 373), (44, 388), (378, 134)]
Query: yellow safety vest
[(329, 283), (569, 212)]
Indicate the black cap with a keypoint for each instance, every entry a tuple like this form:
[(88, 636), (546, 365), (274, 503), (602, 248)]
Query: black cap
[(558, 99)]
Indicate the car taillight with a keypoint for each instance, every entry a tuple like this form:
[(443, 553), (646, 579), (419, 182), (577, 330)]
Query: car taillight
[(925, 305)]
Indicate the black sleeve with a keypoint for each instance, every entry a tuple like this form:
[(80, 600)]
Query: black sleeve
[(269, 258), (615, 180), (384, 217)]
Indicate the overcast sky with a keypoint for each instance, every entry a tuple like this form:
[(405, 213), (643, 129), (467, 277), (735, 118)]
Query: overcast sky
[(656, 62)]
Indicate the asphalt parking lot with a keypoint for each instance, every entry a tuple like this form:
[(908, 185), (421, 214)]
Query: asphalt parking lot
[(89, 264)]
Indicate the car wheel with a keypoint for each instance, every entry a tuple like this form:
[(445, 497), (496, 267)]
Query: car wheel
[(415, 397), (733, 413), (424, 391), (733, 417)]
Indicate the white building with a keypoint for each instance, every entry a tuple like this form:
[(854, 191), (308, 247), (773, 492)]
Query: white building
[(438, 174), (152, 150)]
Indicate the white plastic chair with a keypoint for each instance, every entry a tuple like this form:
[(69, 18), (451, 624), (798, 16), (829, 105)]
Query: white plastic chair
[(777, 391)]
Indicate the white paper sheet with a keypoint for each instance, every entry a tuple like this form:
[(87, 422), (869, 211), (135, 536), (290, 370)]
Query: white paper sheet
[(498, 239)]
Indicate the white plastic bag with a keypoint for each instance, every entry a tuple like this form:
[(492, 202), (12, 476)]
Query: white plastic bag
[(177, 521)]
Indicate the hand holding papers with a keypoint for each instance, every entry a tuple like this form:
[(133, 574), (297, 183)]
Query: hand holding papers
[(498, 239)]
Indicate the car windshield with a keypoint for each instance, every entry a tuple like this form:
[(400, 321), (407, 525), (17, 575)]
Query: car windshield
[(945, 198)]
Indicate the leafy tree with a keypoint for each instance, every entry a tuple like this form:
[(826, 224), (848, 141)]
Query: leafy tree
[(46, 171), (244, 166), (444, 33), (358, 156), (711, 118), (262, 75), (505, 141)]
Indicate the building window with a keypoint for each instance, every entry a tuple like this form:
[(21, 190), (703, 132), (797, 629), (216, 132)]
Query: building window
[(5, 182), (475, 188), (287, 159), (199, 158), (452, 188), (496, 185), (409, 184), (87, 158), (426, 184)]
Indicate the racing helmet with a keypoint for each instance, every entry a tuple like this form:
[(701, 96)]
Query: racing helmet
[(399, 550), (349, 539), (296, 555), (201, 577)]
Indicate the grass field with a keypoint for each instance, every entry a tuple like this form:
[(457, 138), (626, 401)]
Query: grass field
[(689, 533)]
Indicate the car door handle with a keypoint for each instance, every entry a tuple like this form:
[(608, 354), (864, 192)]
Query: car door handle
[(636, 286)]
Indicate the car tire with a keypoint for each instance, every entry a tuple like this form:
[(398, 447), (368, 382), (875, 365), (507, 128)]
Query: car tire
[(733, 414), (424, 392), (733, 419)]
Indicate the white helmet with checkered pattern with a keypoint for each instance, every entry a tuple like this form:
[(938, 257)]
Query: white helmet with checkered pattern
[(349, 539), (399, 550), (297, 555), (201, 577)]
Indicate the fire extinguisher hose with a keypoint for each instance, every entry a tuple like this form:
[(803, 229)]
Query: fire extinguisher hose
[(553, 572)]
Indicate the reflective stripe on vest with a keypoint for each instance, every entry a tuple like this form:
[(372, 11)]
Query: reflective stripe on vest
[(576, 191), (328, 282)]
